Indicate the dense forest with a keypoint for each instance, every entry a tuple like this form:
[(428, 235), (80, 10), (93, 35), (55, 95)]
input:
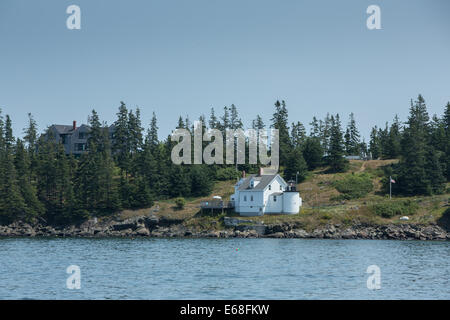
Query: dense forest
[(39, 182)]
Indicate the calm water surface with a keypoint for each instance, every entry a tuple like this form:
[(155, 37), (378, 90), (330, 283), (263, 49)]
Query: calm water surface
[(223, 269)]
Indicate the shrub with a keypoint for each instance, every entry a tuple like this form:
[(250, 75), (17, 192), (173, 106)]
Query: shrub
[(225, 174), (354, 186), (180, 202), (326, 216), (391, 208)]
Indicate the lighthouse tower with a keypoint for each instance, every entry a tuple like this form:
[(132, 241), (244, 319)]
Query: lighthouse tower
[(291, 199)]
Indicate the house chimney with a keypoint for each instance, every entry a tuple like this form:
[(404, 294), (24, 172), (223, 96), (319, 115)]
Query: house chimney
[(243, 174), (260, 171), (74, 125)]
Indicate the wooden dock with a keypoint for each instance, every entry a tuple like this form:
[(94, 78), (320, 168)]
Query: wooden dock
[(216, 205)]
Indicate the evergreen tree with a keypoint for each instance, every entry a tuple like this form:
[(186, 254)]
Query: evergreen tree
[(235, 120), (297, 164), (31, 134), (313, 152), (336, 151), (152, 135), (258, 123), (34, 207), (213, 121), (201, 182), (280, 122), (446, 122), (121, 142), (298, 134), (393, 147), (95, 186), (374, 144), (12, 203), (315, 129), (226, 122), (419, 171), (352, 137), (383, 138)]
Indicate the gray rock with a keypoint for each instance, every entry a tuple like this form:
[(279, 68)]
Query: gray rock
[(142, 231)]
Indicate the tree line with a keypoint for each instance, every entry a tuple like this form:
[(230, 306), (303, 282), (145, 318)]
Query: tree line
[(39, 182)]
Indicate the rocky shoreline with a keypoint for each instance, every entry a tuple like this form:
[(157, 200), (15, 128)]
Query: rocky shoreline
[(152, 226)]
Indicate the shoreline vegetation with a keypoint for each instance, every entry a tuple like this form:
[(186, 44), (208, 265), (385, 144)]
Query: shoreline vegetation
[(325, 214), (124, 183)]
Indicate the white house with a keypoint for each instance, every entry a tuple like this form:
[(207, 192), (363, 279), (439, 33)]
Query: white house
[(260, 194)]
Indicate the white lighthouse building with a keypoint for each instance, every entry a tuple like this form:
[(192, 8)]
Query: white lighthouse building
[(260, 194)]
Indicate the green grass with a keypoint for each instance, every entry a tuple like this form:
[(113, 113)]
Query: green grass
[(323, 202)]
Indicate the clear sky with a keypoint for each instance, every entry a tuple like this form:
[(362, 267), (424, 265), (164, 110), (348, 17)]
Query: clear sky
[(179, 57)]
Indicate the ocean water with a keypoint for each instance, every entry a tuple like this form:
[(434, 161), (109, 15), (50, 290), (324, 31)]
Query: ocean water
[(223, 269)]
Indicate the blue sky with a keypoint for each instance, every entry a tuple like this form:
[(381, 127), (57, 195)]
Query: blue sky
[(178, 57)]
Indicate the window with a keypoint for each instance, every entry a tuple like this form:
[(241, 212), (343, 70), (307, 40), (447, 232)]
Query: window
[(270, 187), (63, 139), (245, 198), (80, 146), (251, 198), (281, 187), (82, 135), (274, 198)]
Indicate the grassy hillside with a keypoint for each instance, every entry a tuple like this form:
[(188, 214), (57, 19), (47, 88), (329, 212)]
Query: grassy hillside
[(322, 202)]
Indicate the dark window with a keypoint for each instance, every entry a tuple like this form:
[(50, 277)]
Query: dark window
[(251, 198), (63, 139), (82, 135), (275, 198), (80, 146), (270, 187)]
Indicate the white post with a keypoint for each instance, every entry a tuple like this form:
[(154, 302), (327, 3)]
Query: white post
[(390, 187)]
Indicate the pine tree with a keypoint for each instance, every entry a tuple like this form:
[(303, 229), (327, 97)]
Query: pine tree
[(225, 119), (352, 137), (419, 171), (94, 184), (135, 131), (235, 120), (325, 128), (298, 134), (180, 124), (446, 121), (258, 123), (383, 138), (374, 144), (12, 204), (121, 143), (393, 147), (213, 121), (313, 152), (280, 122), (297, 164), (30, 132), (336, 151), (201, 181), (152, 134), (28, 191), (315, 129)]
